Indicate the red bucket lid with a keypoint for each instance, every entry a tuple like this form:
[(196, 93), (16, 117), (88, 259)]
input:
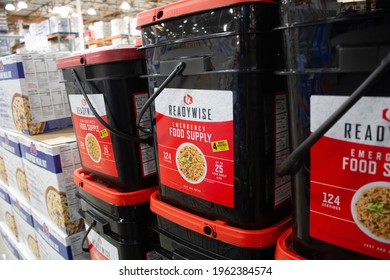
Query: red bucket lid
[(100, 55), (138, 42), (283, 249), (219, 229), (86, 182), (185, 7)]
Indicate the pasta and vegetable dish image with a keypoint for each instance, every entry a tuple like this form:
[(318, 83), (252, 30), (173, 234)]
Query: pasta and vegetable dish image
[(93, 147), (191, 163), (372, 211)]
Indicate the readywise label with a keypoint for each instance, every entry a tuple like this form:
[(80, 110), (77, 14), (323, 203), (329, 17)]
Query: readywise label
[(93, 138), (350, 176), (195, 143), (100, 248)]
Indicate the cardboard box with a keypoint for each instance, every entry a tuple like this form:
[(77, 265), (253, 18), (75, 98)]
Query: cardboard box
[(49, 161), (3, 169), (25, 225), (5, 203), (10, 243), (7, 215), (54, 244), (9, 142), (119, 26), (59, 25), (29, 102), (39, 29), (24, 253), (102, 29)]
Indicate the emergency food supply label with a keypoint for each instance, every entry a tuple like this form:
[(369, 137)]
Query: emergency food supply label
[(93, 138), (195, 143), (350, 176), (100, 248)]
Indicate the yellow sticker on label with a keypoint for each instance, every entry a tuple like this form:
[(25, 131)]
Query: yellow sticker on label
[(103, 133), (220, 146)]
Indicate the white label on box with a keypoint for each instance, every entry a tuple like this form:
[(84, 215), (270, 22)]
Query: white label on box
[(100, 248)]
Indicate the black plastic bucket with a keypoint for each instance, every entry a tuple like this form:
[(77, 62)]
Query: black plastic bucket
[(221, 119), (331, 63), (184, 235), (119, 224), (105, 93)]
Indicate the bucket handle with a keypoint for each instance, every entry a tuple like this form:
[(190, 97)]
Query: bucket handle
[(92, 225), (176, 71), (103, 122), (294, 160)]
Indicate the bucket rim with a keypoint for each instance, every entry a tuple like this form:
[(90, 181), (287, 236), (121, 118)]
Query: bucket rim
[(217, 229), (85, 181), (185, 7), (283, 247), (100, 56)]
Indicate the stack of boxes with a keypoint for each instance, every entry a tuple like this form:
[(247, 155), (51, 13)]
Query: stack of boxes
[(102, 29), (38, 153), (63, 30), (120, 30), (32, 99), (7, 224), (3, 23), (55, 24)]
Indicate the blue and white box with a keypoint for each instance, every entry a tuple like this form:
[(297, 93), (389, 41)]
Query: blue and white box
[(3, 169), (25, 225), (28, 102), (7, 215), (10, 243), (5, 203), (54, 244), (12, 156), (49, 161)]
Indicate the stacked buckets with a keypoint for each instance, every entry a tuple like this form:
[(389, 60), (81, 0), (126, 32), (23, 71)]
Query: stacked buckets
[(118, 174), (220, 130), (337, 67)]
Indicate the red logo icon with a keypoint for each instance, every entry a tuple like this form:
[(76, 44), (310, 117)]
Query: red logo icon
[(385, 114), (33, 149), (83, 102), (188, 99)]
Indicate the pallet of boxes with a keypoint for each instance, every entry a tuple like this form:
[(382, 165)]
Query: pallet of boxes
[(39, 216)]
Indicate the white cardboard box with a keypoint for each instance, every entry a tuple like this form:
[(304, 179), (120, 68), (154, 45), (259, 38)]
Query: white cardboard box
[(25, 225), (5, 203), (49, 160), (3, 169), (102, 29), (24, 253), (59, 24), (29, 102), (54, 244), (7, 215), (119, 26), (12, 156), (10, 243)]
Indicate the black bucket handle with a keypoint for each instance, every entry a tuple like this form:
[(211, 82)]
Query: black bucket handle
[(92, 225), (114, 131), (176, 71), (294, 160)]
